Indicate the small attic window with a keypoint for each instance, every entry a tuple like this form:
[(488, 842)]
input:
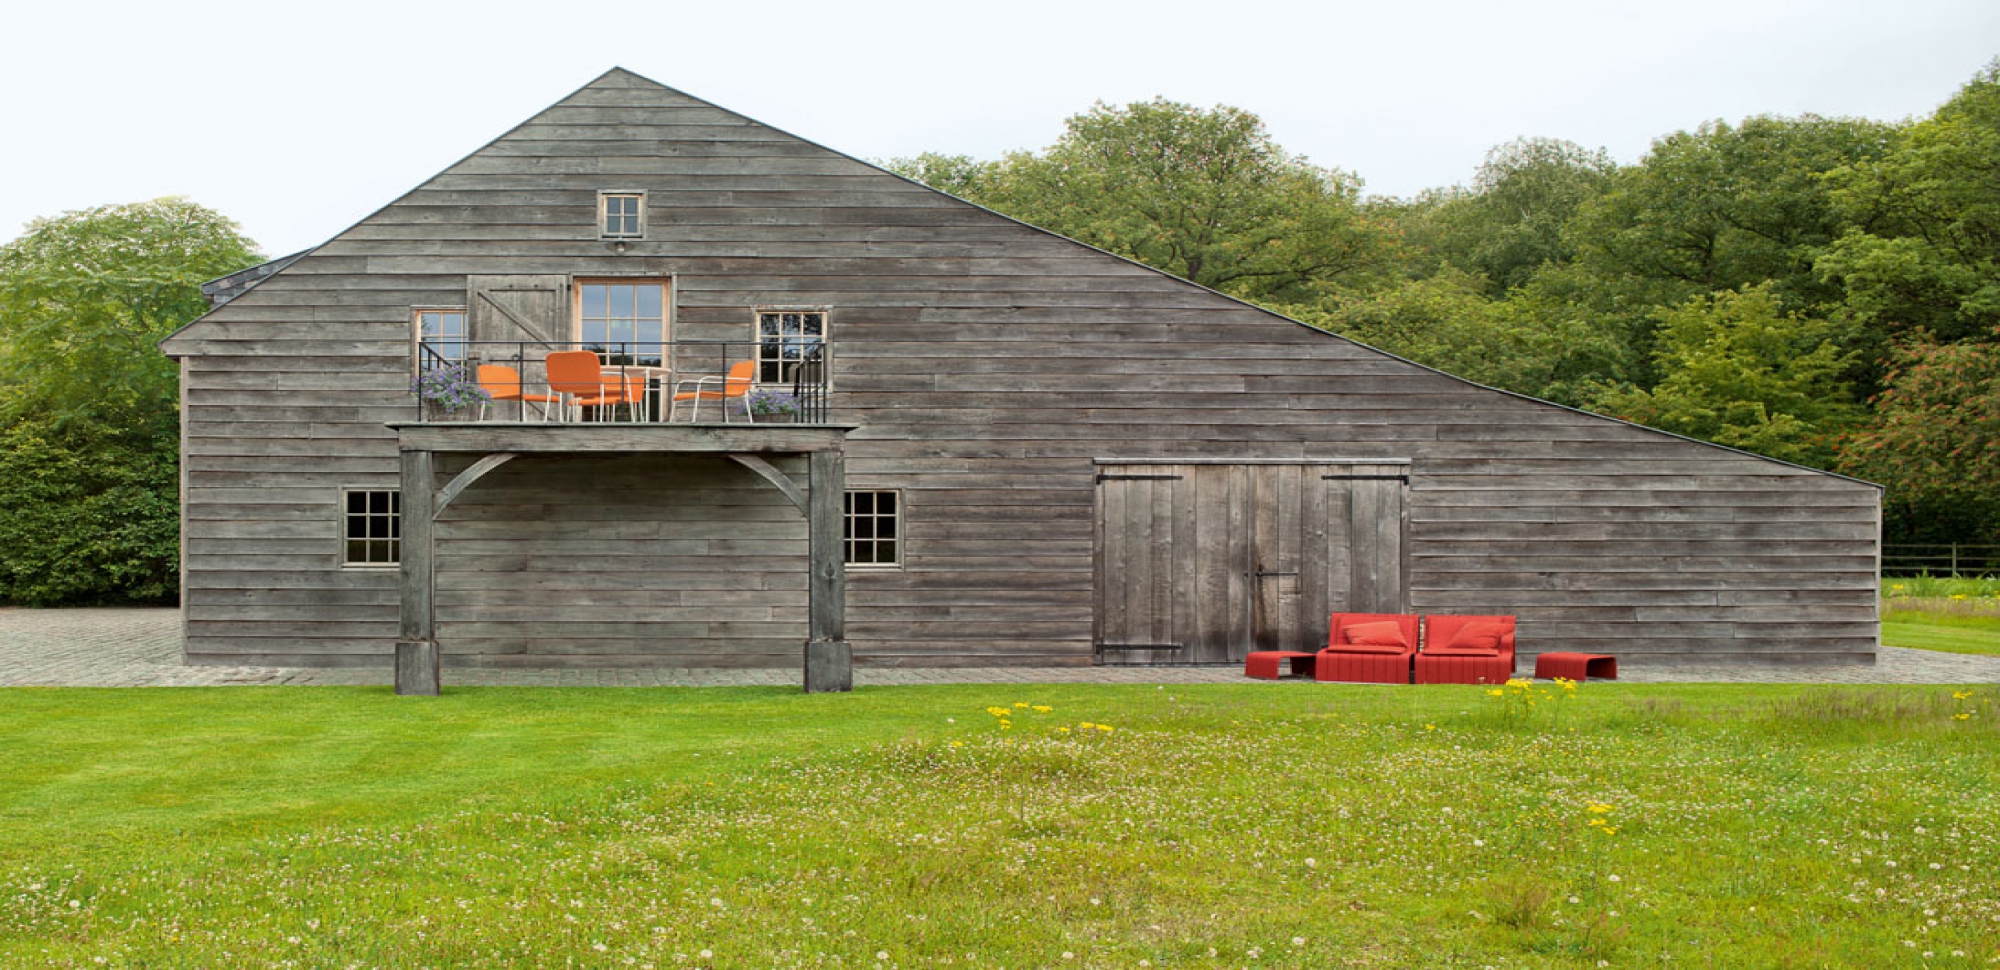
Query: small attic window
[(621, 215)]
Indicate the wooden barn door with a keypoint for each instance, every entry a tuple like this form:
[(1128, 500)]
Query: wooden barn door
[(1202, 563)]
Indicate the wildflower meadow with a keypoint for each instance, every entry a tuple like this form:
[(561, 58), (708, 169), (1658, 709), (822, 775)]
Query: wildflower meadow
[(1020, 826)]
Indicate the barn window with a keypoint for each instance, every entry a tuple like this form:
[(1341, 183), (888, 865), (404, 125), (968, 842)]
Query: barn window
[(621, 215), (625, 321), (440, 336), (372, 527), (873, 528), (784, 338)]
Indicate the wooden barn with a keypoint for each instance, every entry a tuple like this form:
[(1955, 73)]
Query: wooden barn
[(984, 444)]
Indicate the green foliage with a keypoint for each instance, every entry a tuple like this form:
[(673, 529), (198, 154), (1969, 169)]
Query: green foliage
[(84, 297), (1448, 323), (1203, 194), (1512, 222), (1923, 250), (1934, 442), (1741, 372), (1723, 207), (88, 404), (90, 519)]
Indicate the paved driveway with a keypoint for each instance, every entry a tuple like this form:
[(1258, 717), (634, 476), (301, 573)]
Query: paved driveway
[(141, 648)]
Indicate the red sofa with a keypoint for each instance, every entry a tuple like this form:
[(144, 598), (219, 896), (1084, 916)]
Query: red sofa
[(1466, 650), (1368, 648)]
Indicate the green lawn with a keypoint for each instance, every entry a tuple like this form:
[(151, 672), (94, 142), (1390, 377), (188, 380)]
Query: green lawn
[(1939, 630), (1277, 825)]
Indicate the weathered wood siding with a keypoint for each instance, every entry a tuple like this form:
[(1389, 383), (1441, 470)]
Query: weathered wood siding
[(990, 365), (641, 561)]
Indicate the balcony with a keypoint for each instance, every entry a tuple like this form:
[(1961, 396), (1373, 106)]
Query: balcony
[(767, 382)]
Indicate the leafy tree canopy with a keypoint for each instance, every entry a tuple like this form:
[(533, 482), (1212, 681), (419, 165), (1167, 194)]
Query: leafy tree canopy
[(1203, 194), (1740, 371), (85, 295)]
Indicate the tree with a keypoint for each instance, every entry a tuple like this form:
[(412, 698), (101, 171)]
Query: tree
[(1924, 251), (1203, 194), (1447, 322), (1512, 221), (88, 428), (84, 297), (1723, 207), (1935, 441), (1739, 371)]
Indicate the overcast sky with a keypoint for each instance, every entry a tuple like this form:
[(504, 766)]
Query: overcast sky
[(298, 119)]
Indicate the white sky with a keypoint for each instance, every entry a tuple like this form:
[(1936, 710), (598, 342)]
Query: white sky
[(299, 119)]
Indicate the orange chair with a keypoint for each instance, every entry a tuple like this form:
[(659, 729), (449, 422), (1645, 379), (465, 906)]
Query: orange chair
[(578, 376), (735, 386), (503, 383)]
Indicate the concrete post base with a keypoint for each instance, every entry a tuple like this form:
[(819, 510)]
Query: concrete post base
[(829, 666), (417, 667)]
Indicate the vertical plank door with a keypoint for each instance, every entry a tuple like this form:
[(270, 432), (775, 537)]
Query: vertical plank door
[(1200, 563)]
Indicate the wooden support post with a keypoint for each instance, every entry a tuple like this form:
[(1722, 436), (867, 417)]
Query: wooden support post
[(416, 637), (829, 659)]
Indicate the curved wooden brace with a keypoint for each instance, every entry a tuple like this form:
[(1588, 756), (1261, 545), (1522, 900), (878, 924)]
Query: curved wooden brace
[(774, 476), (465, 479)]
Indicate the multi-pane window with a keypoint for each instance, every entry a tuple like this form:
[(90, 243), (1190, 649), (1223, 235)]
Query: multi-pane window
[(625, 321), (784, 338), (440, 337), (371, 527), (873, 529), (621, 215)]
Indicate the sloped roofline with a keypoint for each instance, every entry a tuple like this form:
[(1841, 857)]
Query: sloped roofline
[(616, 71)]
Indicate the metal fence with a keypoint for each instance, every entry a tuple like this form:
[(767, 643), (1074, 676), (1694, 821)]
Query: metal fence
[(681, 380), (1916, 559)]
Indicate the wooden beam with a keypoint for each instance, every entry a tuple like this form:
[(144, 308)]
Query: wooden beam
[(465, 479), (488, 437), (829, 659), (416, 635), (774, 476)]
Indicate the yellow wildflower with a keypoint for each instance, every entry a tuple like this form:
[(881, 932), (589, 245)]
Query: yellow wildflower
[(998, 711), (1006, 725), (1086, 725), (1599, 808), (1043, 708), (1430, 727), (1961, 717), (1497, 692), (1063, 730), (958, 744), (1959, 695), (1020, 703), (1104, 727), (1958, 596)]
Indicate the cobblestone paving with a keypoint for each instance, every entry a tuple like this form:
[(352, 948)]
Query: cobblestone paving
[(141, 648)]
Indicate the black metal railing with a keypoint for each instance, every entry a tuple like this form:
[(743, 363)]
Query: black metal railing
[(1940, 559), (657, 382)]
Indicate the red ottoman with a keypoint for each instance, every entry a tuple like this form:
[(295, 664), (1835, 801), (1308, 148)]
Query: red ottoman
[(1576, 666), (1362, 668), (1269, 664)]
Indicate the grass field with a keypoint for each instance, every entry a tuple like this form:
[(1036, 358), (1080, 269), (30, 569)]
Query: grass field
[(1953, 614), (1274, 825)]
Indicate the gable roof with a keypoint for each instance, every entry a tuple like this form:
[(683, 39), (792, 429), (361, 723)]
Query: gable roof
[(605, 89)]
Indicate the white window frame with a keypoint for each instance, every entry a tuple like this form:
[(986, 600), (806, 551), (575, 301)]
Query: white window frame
[(848, 541), (774, 365), (417, 342), (604, 229), (366, 518), (667, 285)]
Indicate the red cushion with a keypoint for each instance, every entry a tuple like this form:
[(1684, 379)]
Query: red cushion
[(1450, 650), (1381, 633), (1477, 635), (1366, 648)]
